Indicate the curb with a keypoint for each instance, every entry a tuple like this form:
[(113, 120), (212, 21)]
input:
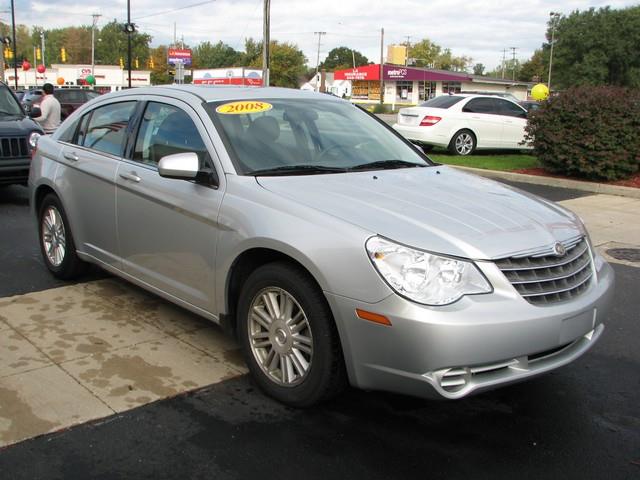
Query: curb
[(554, 182)]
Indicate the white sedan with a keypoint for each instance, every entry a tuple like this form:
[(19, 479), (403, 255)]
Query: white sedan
[(464, 123)]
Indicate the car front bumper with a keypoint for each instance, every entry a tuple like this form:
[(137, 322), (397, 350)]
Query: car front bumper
[(14, 170), (478, 343)]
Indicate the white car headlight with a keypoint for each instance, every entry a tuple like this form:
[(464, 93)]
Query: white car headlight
[(425, 277), (33, 140)]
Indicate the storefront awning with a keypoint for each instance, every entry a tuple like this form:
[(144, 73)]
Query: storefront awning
[(395, 72)]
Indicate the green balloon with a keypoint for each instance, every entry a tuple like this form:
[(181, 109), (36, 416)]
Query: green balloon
[(91, 80)]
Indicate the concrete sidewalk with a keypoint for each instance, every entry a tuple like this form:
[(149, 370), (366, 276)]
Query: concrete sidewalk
[(82, 352)]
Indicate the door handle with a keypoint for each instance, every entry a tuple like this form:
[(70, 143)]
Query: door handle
[(130, 176), (71, 156)]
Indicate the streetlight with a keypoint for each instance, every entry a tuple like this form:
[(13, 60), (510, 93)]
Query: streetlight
[(553, 17)]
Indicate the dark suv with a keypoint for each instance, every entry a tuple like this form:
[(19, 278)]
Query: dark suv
[(69, 98), (18, 134)]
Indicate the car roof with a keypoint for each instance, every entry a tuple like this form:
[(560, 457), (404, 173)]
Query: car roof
[(213, 93)]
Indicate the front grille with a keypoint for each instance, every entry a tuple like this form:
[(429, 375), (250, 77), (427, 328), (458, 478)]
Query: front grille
[(546, 278), (13, 147)]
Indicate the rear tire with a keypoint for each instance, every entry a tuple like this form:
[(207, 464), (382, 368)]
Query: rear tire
[(463, 143), (56, 242), (289, 337)]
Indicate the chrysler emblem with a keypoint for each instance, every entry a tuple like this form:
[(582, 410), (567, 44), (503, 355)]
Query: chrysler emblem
[(559, 249)]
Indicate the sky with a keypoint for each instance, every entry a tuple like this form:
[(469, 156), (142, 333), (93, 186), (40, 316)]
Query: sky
[(478, 29)]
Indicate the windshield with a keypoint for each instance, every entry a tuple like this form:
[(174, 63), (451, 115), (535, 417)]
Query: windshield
[(305, 136), (8, 103)]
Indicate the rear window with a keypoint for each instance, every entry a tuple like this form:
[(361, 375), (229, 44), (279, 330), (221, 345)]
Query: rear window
[(443, 101)]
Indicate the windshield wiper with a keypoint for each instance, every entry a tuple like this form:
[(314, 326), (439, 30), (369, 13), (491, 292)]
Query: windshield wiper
[(297, 169), (384, 164)]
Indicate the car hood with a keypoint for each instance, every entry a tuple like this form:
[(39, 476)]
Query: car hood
[(437, 209), (17, 125)]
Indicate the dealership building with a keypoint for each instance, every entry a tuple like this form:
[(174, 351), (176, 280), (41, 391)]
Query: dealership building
[(412, 85)]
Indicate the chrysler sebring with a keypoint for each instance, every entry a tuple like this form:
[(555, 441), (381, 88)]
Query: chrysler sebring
[(334, 249)]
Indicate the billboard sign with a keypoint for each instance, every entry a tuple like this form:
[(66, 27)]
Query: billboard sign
[(228, 76), (179, 55)]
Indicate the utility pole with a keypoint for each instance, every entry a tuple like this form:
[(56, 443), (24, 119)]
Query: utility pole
[(129, 28), (504, 59), (15, 53), (266, 40), (513, 64), (406, 51), (320, 34), (554, 16), (95, 16), (42, 46), (381, 66)]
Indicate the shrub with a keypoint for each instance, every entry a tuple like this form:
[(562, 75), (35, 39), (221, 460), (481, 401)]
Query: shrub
[(589, 132), (380, 108)]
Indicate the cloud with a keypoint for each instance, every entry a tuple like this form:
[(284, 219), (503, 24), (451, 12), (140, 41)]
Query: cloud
[(479, 29)]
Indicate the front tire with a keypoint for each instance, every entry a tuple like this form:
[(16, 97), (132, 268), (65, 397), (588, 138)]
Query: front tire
[(463, 143), (56, 242), (288, 336)]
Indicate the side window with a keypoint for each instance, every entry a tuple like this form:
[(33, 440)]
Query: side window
[(511, 109), (107, 128), (69, 131), (480, 105), (166, 130)]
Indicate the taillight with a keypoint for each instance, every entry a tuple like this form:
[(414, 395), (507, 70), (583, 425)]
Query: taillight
[(429, 120)]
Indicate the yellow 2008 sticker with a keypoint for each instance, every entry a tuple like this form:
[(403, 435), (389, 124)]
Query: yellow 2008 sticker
[(236, 108)]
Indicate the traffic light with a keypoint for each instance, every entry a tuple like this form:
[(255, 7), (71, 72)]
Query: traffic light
[(137, 63), (63, 54), (8, 53), (152, 65), (38, 54), (121, 62)]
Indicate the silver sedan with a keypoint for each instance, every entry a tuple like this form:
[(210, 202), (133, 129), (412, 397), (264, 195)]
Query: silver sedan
[(334, 249)]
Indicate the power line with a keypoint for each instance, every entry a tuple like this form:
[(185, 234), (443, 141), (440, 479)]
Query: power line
[(175, 9)]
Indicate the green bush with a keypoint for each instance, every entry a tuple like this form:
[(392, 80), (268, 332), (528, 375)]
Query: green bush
[(589, 132), (380, 108)]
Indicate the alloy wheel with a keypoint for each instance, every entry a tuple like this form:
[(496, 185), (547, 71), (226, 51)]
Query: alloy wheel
[(280, 336), (53, 236), (464, 144)]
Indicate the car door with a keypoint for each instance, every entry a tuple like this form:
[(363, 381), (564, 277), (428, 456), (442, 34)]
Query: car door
[(87, 176), (514, 121), (481, 115), (168, 228)]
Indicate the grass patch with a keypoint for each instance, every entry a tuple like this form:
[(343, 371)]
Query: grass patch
[(488, 160)]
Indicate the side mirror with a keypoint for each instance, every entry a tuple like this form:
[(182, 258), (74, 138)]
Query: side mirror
[(182, 166), (35, 112)]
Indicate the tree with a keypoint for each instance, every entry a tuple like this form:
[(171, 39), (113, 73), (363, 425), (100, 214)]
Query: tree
[(160, 71), (111, 45), (534, 69), (341, 58), (208, 55), (425, 53), (478, 69), (597, 47), (24, 44), (287, 62)]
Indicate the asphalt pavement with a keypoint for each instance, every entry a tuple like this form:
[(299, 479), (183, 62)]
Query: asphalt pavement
[(581, 421)]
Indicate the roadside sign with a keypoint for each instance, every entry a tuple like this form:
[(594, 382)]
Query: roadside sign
[(179, 55)]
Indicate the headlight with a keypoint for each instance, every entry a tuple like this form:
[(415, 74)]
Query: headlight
[(33, 140), (424, 277)]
